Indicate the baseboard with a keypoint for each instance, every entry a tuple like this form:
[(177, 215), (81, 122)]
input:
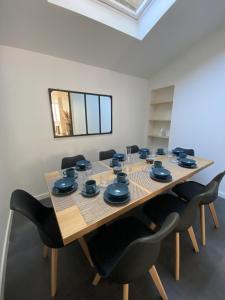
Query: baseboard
[(222, 195), (42, 196), (4, 255)]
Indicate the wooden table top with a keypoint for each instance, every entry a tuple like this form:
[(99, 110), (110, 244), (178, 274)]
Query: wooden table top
[(77, 215)]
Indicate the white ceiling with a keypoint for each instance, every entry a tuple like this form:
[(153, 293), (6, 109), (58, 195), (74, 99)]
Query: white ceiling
[(39, 26)]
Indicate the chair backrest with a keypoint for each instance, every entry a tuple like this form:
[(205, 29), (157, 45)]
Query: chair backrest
[(106, 154), (218, 178), (142, 253), (25, 204), (188, 214), (134, 148), (69, 162)]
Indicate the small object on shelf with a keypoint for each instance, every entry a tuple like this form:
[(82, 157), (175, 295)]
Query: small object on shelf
[(162, 132)]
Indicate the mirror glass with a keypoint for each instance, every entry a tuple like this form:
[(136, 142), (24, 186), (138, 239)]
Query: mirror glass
[(105, 107), (77, 113), (61, 115), (92, 114)]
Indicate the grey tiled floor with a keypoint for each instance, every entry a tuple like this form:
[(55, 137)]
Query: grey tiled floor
[(202, 275)]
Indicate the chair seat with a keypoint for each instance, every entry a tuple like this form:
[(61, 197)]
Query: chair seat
[(158, 208), (188, 190), (106, 246)]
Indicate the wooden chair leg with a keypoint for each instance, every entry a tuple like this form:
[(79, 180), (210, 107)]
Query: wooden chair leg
[(85, 249), (214, 215), (202, 220), (45, 252), (177, 260), (155, 277), (54, 267), (125, 291), (152, 226), (193, 239), (96, 279)]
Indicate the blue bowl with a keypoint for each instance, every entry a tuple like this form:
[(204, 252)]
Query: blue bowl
[(161, 173), (82, 163), (144, 150), (117, 190), (177, 151), (120, 156), (187, 161), (64, 184)]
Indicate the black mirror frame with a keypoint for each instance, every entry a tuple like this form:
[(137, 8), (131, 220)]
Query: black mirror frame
[(50, 90)]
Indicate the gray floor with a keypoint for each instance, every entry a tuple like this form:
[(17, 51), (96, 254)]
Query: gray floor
[(202, 275)]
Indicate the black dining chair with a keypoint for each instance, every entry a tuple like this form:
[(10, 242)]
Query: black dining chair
[(127, 249), (189, 189), (45, 220), (106, 154), (159, 207), (133, 148), (69, 162)]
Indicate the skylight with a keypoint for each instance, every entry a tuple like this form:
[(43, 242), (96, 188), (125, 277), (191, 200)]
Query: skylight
[(133, 17), (132, 8), (132, 4)]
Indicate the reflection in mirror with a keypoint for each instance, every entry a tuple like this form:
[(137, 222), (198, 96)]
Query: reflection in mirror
[(78, 113), (106, 118), (61, 113), (92, 105)]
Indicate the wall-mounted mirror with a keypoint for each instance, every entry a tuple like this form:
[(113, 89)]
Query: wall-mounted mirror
[(76, 113)]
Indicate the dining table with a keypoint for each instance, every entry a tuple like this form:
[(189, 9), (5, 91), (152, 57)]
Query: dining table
[(78, 215)]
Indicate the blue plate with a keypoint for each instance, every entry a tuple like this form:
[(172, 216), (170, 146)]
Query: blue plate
[(82, 163), (117, 190), (64, 184), (187, 167), (127, 181), (120, 156), (187, 161), (144, 150), (160, 173), (59, 193), (97, 191), (143, 156), (167, 179), (116, 201)]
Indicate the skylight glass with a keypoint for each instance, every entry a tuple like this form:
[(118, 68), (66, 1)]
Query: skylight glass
[(132, 8), (132, 4)]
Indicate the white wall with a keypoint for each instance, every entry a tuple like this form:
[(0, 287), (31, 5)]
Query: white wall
[(5, 176), (27, 77), (198, 118), (26, 127)]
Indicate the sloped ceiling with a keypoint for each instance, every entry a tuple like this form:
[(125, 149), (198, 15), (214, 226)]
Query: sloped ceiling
[(39, 26)]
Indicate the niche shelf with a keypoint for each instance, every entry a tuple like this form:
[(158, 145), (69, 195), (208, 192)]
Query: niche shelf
[(160, 111)]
